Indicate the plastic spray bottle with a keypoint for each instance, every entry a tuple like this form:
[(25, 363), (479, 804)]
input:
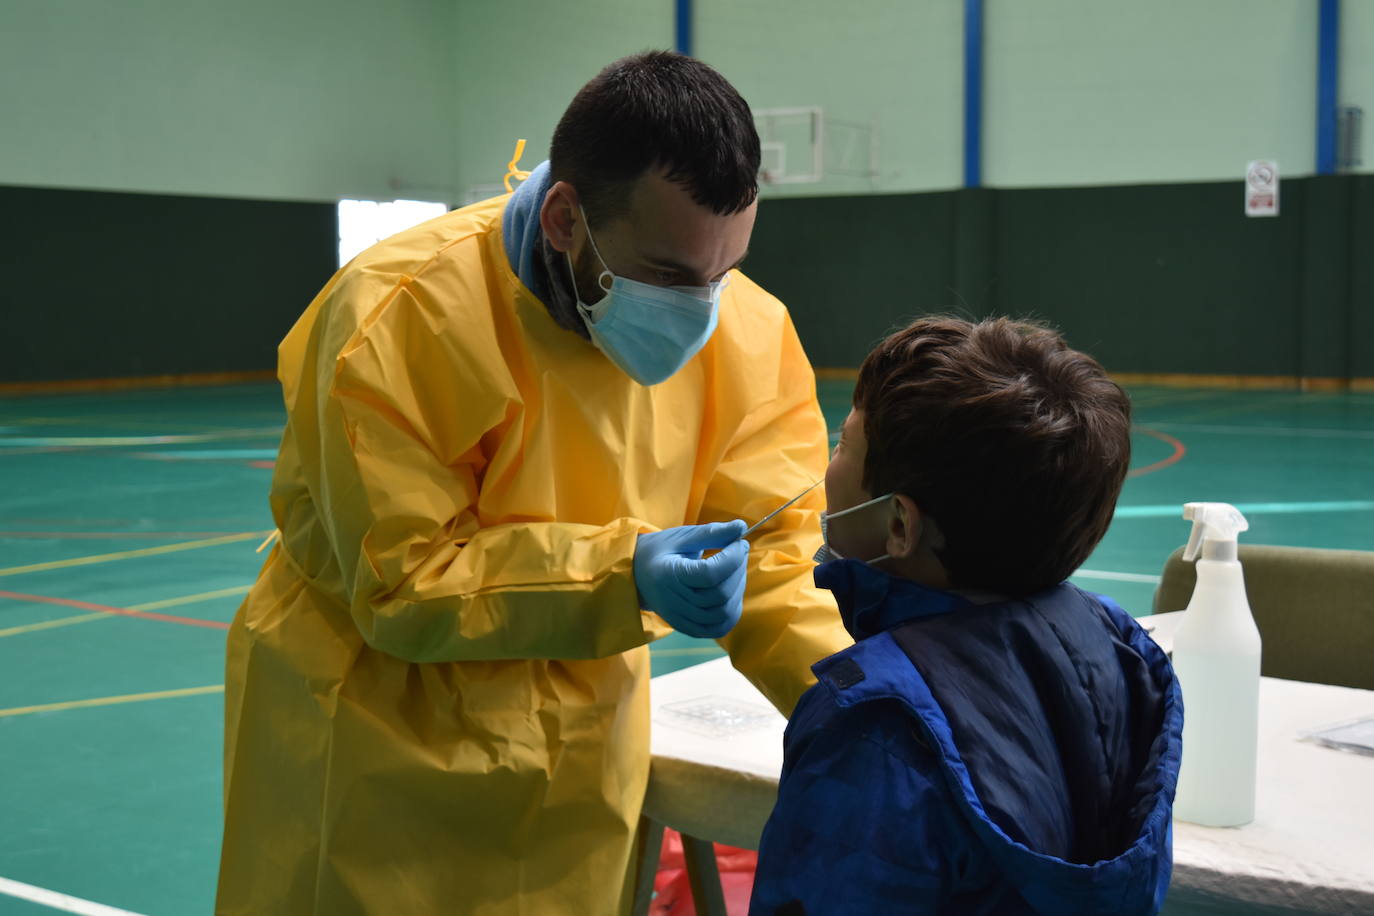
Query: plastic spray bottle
[(1217, 661)]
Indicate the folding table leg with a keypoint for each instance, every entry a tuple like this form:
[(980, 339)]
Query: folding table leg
[(648, 848), (704, 876)]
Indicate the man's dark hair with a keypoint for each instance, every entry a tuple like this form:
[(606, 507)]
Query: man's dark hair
[(658, 109), (1015, 444)]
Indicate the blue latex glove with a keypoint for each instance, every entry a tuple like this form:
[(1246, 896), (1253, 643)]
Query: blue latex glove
[(699, 597)]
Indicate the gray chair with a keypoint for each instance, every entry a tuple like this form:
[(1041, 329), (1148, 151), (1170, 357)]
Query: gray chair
[(1314, 609)]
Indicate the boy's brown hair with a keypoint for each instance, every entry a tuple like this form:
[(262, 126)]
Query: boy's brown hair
[(1015, 444)]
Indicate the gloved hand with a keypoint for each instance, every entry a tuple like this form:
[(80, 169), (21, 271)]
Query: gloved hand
[(699, 597)]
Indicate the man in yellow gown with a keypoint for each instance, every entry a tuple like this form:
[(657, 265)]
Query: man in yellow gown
[(512, 435)]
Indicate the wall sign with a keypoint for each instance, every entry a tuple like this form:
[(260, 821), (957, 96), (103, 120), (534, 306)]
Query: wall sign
[(1262, 188)]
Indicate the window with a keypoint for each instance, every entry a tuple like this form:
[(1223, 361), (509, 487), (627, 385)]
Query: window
[(363, 223)]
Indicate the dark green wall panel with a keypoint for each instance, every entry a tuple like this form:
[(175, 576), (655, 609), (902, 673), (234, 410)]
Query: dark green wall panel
[(851, 268), (1151, 278), (1156, 279), (1170, 278), (1325, 309), (116, 285), (1362, 279)]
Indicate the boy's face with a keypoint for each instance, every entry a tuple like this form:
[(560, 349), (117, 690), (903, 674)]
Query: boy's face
[(844, 477), (861, 534)]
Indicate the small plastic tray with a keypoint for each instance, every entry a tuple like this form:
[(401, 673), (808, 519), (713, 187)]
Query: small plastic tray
[(715, 717), (1354, 735)]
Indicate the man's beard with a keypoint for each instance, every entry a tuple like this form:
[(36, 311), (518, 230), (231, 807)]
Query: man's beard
[(587, 272)]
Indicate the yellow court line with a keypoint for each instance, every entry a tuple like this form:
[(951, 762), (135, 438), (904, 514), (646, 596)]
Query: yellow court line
[(111, 701), (50, 624), (686, 650), (130, 554), (191, 599)]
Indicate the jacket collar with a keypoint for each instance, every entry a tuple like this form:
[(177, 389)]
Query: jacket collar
[(872, 601)]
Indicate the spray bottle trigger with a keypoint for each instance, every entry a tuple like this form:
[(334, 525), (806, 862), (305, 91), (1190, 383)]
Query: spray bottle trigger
[(1212, 521), (1194, 541)]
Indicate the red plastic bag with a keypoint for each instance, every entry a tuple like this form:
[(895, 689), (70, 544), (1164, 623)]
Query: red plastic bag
[(673, 890)]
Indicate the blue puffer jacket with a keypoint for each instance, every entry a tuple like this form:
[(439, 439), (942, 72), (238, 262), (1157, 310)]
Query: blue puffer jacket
[(1012, 757)]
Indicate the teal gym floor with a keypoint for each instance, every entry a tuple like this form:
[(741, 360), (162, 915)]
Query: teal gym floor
[(128, 524)]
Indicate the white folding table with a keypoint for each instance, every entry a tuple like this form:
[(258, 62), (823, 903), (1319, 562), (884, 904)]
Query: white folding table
[(717, 754)]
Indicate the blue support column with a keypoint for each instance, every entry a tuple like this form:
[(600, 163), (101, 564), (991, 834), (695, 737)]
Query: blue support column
[(1328, 71), (973, 93), (683, 20)]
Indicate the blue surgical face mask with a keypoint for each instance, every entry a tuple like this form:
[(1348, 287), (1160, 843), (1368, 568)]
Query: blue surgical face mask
[(648, 331), (828, 553)]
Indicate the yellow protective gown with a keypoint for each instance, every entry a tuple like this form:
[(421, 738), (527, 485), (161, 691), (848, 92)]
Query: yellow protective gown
[(437, 690)]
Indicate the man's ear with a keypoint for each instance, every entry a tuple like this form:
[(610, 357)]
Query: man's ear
[(904, 524), (558, 215)]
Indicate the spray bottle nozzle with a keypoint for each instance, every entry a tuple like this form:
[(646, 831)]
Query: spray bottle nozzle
[(1212, 522)]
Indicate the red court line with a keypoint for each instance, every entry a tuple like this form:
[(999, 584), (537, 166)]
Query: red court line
[(121, 611), (1179, 451)]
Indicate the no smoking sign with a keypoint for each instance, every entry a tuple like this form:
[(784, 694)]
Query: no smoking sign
[(1262, 188)]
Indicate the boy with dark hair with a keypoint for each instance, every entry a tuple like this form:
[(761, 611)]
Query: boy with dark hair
[(997, 741)]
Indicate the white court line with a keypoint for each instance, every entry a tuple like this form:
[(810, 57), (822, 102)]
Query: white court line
[(64, 902), (1299, 431), (1174, 510), (120, 441), (1116, 576)]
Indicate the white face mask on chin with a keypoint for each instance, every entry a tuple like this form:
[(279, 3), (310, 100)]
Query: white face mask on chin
[(828, 553)]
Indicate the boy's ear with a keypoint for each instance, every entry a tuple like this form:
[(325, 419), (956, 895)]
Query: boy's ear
[(904, 524)]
